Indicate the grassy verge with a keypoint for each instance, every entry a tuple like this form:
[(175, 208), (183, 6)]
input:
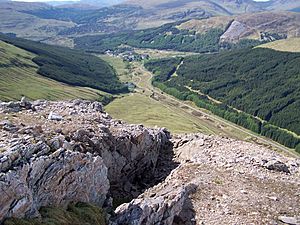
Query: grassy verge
[(75, 214)]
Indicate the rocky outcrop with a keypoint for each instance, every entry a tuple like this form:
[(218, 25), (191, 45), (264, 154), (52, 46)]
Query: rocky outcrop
[(129, 152), (7, 107), (162, 204), (54, 153), (50, 180), (235, 31), (219, 181)]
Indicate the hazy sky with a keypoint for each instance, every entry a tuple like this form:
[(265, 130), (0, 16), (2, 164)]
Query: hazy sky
[(79, 0)]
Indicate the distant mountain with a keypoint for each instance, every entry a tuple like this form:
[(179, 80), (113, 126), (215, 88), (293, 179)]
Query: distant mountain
[(85, 3), (202, 35), (163, 11), (259, 26), (13, 19), (72, 3), (101, 2), (219, 7), (40, 21), (282, 4)]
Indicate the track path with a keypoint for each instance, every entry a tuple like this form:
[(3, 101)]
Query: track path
[(145, 84)]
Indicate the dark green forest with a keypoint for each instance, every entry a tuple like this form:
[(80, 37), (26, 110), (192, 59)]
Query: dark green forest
[(71, 66), (264, 84), (166, 37)]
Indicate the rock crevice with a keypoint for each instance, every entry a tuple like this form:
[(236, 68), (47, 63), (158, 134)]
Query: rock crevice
[(84, 156), (81, 154)]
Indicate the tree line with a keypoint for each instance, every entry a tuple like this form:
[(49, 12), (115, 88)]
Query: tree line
[(256, 82), (71, 66), (165, 37)]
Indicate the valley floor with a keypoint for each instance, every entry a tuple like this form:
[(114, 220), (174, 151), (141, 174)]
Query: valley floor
[(151, 107)]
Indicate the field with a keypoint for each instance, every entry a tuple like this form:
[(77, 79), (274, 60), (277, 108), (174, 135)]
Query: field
[(137, 108), (157, 54), (287, 45), (143, 107), (149, 106), (121, 67), (140, 109), (18, 77)]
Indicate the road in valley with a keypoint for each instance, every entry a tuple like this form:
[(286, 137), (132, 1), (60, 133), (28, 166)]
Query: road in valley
[(145, 84)]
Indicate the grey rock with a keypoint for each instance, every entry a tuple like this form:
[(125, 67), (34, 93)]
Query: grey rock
[(44, 167), (54, 116), (167, 203), (8, 126), (67, 177), (277, 166), (6, 123), (25, 103), (289, 220)]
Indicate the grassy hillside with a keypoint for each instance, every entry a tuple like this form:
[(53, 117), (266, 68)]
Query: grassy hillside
[(19, 77), (272, 24), (13, 19), (261, 82), (71, 66), (41, 22), (203, 35), (166, 37), (287, 45), (141, 109), (215, 7), (229, 6)]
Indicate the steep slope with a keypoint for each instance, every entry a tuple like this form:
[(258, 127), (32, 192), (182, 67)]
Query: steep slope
[(261, 82), (265, 25), (70, 66), (282, 4), (42, 166), (203, 35), (47, 21), (19, 77), (217, 6), (80, 154)]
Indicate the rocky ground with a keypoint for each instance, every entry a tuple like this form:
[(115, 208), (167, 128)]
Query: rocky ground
[(54, 153), (221, 181)]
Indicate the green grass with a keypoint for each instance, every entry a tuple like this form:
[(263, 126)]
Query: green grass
[(140, 109), (121, 67), (159, 54), (286, 45), (18, 77), (78, 214)]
